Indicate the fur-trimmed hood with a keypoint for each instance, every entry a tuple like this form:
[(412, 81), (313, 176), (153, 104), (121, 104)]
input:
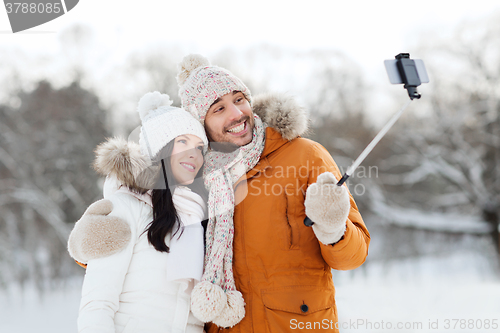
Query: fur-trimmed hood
[(283, 113), (123, 159)]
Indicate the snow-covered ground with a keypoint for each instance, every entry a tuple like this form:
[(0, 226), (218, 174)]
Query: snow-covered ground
[(432, 294), (457, 293), (31, 312)]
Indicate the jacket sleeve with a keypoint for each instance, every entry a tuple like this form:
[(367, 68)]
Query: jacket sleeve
[(351, 251), (104, 279)]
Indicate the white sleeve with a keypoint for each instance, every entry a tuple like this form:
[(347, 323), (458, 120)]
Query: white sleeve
[(104, 278)]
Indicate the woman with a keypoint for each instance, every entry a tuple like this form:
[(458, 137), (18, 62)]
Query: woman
[(144, 260)]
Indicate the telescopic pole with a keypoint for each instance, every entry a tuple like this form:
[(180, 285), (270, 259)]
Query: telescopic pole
[(366, 151)]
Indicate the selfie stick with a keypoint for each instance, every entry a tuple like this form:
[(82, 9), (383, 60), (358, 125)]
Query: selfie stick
[(372, 144), (410, 77)]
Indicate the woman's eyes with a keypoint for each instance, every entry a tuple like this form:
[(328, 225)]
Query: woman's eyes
[(185, 142)]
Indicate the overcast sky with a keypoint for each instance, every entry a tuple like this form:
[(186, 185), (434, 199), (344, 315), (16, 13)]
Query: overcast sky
[(369, 31)]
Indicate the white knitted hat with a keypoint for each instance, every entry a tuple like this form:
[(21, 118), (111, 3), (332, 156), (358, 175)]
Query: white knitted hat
[(161, 123), (200, 84)]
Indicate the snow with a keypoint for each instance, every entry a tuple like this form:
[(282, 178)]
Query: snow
[(51, 312), (447, 222), (421, 291)]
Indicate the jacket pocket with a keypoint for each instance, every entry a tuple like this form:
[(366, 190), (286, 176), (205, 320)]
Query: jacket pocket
[(300, 309), (293, 205)]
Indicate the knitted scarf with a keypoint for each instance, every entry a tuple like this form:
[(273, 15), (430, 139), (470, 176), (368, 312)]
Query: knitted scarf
[(215, 298)]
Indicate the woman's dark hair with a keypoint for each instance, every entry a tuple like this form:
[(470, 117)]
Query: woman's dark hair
[(164, 213)]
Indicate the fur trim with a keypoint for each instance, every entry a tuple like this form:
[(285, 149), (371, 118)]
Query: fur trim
[(125, 161), (328, 206), (282, 113), (97, 235)]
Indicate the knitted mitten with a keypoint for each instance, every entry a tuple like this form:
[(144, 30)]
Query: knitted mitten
[(327, 205), (98, 235)]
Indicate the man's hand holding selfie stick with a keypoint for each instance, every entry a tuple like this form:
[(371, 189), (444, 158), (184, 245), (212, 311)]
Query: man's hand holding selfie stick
[(320, 209), (328, 205)]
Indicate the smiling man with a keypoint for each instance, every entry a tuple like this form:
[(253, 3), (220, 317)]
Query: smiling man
[(264, 269), (230, 119)]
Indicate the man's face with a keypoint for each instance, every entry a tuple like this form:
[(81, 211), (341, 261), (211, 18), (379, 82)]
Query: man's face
[(230, 119)]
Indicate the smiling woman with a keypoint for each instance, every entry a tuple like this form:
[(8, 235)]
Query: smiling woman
[(147, 222), (187, 158)]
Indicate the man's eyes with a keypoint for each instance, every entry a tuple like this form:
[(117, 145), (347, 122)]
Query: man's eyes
[(217, 109), (238, 100)]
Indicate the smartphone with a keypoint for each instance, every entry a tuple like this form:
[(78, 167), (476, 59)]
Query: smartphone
[(418, 68)]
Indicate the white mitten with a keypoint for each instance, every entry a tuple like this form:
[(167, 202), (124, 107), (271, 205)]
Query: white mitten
[(97, 234), (327, 205)]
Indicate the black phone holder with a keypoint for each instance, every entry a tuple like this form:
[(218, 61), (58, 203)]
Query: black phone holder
[(409, 74), (402, 70)]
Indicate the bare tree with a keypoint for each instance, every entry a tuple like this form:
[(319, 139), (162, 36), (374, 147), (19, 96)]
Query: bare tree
[(443, 167), (155, 69), (46, 148), (336, 97)]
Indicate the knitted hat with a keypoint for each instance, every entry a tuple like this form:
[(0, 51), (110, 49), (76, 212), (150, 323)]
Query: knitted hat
[(200, 84), (161, 123)]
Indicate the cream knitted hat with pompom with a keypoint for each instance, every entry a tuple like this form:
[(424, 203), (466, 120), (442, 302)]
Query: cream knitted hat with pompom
[(200, 84), (161, 123)]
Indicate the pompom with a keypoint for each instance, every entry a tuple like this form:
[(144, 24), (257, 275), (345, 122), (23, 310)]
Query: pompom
[(207, 301), (233, 312), (188, 64), (152, 101)]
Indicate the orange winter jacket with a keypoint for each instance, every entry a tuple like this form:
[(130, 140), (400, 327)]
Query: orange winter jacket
[(282, 270)]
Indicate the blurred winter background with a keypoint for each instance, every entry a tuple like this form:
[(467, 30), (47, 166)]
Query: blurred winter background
[(429, 192)]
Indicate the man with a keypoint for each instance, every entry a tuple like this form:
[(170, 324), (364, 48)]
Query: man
[(265, 271), (275, 274)]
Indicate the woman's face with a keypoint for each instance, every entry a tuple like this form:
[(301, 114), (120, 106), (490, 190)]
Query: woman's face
[(187, 158)]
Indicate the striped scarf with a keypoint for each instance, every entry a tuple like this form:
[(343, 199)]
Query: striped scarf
[(215, 298)]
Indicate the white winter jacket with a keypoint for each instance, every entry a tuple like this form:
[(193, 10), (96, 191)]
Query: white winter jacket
[(128, 291)]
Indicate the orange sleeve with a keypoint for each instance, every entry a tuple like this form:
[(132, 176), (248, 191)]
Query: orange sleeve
[(351, 251)]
